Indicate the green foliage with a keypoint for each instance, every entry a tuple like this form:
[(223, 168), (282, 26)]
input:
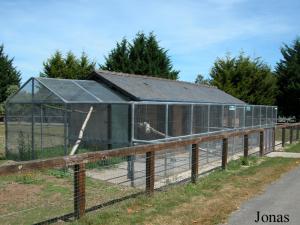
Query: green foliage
[(9, 75), (288, 80), (143, 56), (24, 150), (29, 178), (59, 173), (293, 147), (250, 80), (201, 80), (69, 67)]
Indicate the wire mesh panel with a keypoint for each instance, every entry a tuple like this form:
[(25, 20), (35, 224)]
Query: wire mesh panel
[(240, 117), (278, 136), (210, 155), (249, 112), (49, 130), (114, 179), (172, 166), (179, 120), (149, 122), (269, 119), (256, 116), (268, 140), (229, 117), (263, 115), (215, 118), (30, 198), (19, 132), (200, 119), (235, 146), (253, 141)]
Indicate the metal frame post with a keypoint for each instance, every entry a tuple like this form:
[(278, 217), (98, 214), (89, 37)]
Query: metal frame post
[(32, 121), (261, 143), (274, 137), (195, 162), (283, 137), (109, 127), (41, 124), (79, 190), (297, 134), (166, 135), (260, 117), (6, 130), (150, 172), (224, 153), (65, 131), (191, 132), (252, 108), (246, 145), (130, 158), (208, 118), (291, 135)]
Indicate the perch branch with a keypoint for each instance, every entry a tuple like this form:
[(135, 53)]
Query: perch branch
[(77, 143)]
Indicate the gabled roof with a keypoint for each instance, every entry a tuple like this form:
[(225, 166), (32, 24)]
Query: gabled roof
[(146, 88), (49, 90)]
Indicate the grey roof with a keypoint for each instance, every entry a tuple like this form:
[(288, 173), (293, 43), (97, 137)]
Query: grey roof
[(146, 88)]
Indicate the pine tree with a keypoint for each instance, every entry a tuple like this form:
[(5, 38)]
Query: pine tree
[(250, 80), (69, 67), (201, 80), (288, 80), (143, 56), (9, 75)]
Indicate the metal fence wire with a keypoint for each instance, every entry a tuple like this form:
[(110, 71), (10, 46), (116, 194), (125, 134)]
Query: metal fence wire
[(68, 190)]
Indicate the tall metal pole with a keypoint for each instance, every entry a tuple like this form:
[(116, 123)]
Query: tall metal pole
[(32, 120), (208, 117), (66, 136), (6, 131), (41, 124)]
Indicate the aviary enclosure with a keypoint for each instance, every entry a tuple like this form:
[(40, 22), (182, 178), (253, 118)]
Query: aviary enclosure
[(44, 118)]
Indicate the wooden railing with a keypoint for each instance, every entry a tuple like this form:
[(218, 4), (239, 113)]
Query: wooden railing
[(78, 161)]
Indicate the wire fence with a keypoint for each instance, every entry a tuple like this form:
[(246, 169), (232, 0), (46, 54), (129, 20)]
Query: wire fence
[(64, 188), (41, 130)]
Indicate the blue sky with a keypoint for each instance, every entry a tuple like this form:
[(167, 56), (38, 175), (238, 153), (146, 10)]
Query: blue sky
[(194, 32)]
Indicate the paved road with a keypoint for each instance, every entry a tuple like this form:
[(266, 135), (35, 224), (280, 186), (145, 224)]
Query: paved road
[(280, 198)]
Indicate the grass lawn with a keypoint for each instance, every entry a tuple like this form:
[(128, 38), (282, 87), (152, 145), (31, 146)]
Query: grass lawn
[(293, 147), (210, 201), (35, 197)]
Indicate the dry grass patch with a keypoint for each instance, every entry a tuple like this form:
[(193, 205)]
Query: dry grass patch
[(208, 202)]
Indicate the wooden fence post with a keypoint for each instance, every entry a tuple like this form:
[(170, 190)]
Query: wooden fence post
[(79, 190), (150, 163), (274, 139), (291, 135), (224, 153), (246, 145), (195, 162), (261, 143), (283, 137)]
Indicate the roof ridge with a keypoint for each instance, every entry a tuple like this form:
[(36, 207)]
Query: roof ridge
[(157, 78)]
